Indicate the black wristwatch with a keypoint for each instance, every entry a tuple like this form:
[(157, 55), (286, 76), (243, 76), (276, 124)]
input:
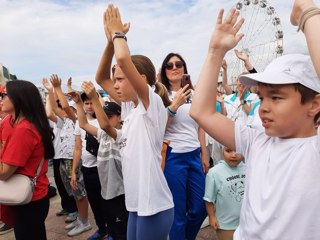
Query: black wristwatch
[(119, 35)]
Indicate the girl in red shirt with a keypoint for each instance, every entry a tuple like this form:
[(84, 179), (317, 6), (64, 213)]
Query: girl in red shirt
[(29, 142)]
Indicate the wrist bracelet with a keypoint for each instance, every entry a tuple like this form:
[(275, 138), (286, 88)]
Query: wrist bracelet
[(306, 15), (171, 114)]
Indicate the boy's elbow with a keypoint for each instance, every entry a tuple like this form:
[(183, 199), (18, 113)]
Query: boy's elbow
[(194, 114), (199, 115), (82, 126), (99, 79), (105, 126)]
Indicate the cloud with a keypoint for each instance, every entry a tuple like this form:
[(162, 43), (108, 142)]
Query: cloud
[(40, 37)]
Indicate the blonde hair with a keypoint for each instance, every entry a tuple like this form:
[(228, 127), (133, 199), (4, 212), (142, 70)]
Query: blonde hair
[(162, 91)]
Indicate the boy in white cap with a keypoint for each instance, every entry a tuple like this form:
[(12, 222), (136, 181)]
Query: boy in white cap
[(282, 193)]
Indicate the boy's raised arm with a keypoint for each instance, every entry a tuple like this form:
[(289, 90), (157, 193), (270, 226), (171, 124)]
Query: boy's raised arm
[(203, 108), (82, 119), (102, 117), (56, 83)]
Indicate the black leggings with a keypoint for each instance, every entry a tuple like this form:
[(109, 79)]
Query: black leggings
[(29, 220), (67, 202)]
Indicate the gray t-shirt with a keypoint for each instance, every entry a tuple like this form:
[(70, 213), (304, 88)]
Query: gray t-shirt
[(109, 165)]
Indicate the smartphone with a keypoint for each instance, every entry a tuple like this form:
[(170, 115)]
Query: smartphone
[(186, 80)]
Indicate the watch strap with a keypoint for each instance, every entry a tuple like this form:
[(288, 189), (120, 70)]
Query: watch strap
[(119, 35)]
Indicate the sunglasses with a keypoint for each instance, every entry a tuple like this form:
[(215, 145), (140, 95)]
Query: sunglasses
[(2, 95), (178, 64)]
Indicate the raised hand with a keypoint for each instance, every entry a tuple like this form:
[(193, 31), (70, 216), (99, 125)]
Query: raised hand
[(55, 80), (46, 84), (241, 55), (69, 85), (219, 98), (106, 31), (89, 89), (75, 96), (113, 21), (225, 35), (242, 92)]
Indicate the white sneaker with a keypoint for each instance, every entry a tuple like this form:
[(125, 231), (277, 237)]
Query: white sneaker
[(80, 228), (72, 225)]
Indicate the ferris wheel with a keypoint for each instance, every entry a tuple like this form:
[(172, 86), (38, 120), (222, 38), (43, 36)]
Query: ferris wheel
[(263, 39)]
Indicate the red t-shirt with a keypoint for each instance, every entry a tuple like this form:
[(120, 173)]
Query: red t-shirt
[(24, 149), (5, 130)]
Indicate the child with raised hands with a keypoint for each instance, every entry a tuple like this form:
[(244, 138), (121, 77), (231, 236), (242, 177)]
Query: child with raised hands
[(108, 157), (148, 198), (282, 163), (65, 119)]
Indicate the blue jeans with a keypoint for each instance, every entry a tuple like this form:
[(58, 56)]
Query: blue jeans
[(155, 227), (186, 181)]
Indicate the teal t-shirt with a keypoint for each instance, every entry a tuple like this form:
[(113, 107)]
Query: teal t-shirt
[(225, 189)]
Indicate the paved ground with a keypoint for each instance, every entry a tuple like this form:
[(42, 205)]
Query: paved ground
[(55, 225)]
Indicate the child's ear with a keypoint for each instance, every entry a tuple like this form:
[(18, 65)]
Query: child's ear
[(315, 107), (144, 78)]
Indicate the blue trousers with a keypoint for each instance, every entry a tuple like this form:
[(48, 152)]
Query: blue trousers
[(155, 227), (186, 181)]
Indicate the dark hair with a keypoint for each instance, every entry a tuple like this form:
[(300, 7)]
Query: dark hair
[(84, 97), (307, 95), (27, 101), (144, 66), (163, 75)]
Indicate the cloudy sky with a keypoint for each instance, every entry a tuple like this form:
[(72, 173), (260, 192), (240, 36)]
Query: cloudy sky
[(41, 37)]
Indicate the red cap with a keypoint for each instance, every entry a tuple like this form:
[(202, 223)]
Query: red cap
[(2, 88)]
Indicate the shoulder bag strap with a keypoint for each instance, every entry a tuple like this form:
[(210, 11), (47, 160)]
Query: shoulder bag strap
[(34, 180)]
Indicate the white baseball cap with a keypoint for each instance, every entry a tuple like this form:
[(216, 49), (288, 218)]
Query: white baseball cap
[(287, 69)]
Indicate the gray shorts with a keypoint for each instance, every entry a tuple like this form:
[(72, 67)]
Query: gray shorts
[(65, 172)]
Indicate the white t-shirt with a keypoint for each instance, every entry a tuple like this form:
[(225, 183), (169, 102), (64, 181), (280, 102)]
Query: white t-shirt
[(88, 160), (254, 120), (56, 132), (282, 191), (146, 188), (234, 108), (64, 139), (182, 130)]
